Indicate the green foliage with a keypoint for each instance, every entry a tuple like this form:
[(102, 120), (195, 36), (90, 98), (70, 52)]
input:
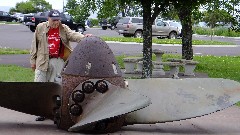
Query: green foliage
[(79, 9), (31, 6), (219, 31), (25, 7), (41, 5), (220, 11), (94, 22), (212, 17)]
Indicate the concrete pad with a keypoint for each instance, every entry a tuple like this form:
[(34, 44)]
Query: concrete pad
[(223, 122)]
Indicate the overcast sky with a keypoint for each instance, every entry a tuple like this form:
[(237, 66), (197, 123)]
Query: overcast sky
[(56, 4)]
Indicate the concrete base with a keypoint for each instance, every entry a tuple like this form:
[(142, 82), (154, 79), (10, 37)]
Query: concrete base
[(174, 70), (139, 67), (189, 69), (158, 72), (129, 67)]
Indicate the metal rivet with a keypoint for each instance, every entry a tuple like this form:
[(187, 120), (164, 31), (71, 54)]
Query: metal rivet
[(88, 87), (101, 86)]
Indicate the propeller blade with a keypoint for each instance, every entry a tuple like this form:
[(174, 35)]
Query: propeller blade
[(117, 101), (179, 99), (36, 98)]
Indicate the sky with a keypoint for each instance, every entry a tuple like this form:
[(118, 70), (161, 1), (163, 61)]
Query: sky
[(56, 4)]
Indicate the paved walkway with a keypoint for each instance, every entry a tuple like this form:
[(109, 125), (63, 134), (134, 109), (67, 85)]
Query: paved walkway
[(226, 122)]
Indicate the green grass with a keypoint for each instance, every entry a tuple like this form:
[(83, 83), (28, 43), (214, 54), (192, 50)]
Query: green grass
[(4, 51), (3, 22), (14, 73), (165, 41), (216, 67)]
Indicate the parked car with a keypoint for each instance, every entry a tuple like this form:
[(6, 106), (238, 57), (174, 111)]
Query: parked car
[(113, 21), (109, 23), (133, 26), (170, 29), (65, 19), (201, 24), (28, 17), (4, 16), (104, 24), (130, 26)]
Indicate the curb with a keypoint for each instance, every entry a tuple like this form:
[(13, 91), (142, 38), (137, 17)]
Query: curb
[(215, 36), (172, 44)]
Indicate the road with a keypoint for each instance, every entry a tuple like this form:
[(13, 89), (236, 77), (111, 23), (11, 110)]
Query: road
[(19, 36)]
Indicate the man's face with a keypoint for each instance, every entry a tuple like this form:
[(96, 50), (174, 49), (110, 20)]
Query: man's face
[(53, 23)]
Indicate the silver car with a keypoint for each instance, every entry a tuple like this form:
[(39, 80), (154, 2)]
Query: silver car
[(130, 26), (133, 26)]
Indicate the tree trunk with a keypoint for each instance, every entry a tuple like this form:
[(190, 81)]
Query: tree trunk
[(147, 39), (185, 18)]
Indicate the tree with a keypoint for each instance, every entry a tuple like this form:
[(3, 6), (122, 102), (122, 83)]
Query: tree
[(111, 8), (79, 9), (41, 5), (185, 16), (222, 11), (151, 10), (31, 6), (25, 7)]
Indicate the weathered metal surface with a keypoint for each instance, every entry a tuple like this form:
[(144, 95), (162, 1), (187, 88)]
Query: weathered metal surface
[(92, 58), (31, 98), (70, 82), (178, 99), (99, 106)]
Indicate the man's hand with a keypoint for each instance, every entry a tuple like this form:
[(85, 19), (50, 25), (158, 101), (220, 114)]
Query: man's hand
[(33, 66), (87, 35)]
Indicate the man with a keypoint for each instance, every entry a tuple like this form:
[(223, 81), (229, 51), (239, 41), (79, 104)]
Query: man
[(50, 47)]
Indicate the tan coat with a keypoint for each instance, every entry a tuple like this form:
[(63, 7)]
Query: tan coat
[(39, 49)]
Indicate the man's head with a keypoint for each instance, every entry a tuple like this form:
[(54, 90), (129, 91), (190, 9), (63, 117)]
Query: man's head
[(54, 18)]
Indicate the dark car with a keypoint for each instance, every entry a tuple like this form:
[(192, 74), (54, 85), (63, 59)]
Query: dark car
[(65, 19), (110, 23), (4, 16)]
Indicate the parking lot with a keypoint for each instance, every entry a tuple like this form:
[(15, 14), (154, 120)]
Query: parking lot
[(11, 122), (19, 36)]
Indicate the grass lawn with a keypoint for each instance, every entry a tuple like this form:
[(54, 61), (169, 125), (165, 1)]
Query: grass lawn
[(4, 22), (14, 73), (165, 41), (12, 51)]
